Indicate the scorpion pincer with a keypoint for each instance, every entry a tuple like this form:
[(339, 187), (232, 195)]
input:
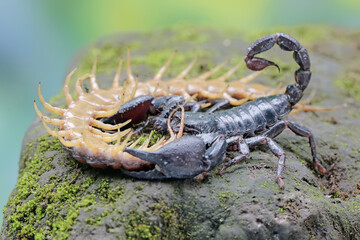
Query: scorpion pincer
[(249, 125)]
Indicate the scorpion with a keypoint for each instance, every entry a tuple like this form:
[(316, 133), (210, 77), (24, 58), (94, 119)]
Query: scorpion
[(97, 126), (210, 134)]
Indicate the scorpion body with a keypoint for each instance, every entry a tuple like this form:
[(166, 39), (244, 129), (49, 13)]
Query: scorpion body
[(95, 120), (253, 123)]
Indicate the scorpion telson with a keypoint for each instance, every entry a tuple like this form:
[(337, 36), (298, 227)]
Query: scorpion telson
[(249, 125)]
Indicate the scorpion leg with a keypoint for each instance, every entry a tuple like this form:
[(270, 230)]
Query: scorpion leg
[(298, 130), (221, 103), (244, 153), (275, 149), (193, 106), (245, 144)]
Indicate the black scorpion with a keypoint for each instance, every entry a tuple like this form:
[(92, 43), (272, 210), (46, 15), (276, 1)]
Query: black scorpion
[(252, 124)]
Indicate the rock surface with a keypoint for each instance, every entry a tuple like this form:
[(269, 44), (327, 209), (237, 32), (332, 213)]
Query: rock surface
[(59, 198)]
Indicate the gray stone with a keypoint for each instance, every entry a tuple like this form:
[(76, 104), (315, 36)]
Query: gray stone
[(59, 198)]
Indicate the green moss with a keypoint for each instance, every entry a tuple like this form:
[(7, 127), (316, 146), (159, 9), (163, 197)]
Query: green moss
[(157, 58), (281, 210), (224, 196), (34, 204), (139, 226), (108, 55), (109, 194)]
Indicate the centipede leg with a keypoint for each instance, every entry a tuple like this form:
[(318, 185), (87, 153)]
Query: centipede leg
[(129, 75), (186, 70), (93, 82), (67, 94), (48, 106), (117, 75), (46, 119), (236, 102), (211, 72), (162, 70)]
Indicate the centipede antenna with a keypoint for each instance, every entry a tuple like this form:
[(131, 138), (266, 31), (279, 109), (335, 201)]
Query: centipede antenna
[(147, 141), (229, 73), (187, 69), (250, 77), (67, 94), (78, 87), (104, 126), (181, 128), (50, 108), (117, 74), (162, 70), (130, 77), (72, 143), (57, 122), (93, 82), (212, 71)]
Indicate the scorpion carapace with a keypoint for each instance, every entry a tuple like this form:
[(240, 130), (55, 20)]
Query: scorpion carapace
[(251, 124)]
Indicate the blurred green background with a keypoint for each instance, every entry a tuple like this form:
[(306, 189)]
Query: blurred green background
[(38, 39)]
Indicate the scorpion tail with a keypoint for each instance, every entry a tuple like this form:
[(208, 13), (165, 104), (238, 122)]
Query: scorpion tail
[(287, 43)]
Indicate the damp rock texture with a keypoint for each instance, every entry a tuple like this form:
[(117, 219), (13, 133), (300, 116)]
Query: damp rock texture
[(58, 198)]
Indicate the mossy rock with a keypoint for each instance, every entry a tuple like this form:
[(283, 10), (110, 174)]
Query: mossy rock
[(58, 198)]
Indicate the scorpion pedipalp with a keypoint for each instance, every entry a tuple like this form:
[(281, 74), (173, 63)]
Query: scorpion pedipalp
[(185, 157)]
